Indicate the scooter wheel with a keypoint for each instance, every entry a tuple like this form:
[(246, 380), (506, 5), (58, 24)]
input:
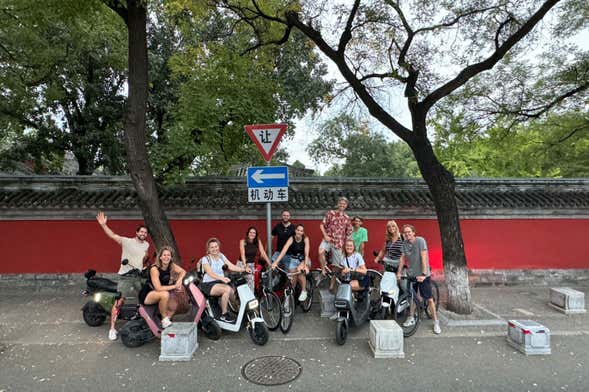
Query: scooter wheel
[(211, 329), (93, 314), (341, 332), (135, 333), (259, 334)]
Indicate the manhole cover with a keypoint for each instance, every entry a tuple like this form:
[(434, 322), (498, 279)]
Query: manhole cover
[(271, 370)]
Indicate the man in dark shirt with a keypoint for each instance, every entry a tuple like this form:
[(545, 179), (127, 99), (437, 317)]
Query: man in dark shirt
[(282, 231)]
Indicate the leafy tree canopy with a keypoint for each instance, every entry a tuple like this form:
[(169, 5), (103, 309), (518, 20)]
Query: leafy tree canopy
[(363, 153), (556, 146), (62, 76)]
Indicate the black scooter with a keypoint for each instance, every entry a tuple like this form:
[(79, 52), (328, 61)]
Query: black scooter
[(104, 295)]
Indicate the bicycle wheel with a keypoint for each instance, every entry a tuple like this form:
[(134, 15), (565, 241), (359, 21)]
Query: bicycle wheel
[(288, 308), (270, 310), (306, 304), (435, 296), (403, 314)]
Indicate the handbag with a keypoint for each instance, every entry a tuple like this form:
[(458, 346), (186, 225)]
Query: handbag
[(178, 302)]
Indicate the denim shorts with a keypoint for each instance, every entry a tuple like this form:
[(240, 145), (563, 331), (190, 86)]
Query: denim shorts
[(290, 263)]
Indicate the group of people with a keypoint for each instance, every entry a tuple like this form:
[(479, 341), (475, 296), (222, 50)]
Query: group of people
[(344, 240)]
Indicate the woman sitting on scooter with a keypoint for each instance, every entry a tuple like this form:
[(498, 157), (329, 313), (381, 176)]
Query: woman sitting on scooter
[(391, 249), (214, 282), (352, 261), (159, 285), (295, 250)]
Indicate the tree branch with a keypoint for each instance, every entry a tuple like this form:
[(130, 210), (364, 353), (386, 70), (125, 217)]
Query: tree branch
[(472, 70), (338, 58), (118, 7), (347, 33)]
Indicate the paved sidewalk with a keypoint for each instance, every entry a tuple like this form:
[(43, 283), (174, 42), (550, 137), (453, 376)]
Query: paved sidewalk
[(493, 306), (46, 346)]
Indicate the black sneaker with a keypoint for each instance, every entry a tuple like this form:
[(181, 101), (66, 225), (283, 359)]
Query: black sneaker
[(227, 318)]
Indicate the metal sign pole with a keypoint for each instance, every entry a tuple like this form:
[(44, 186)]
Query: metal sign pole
[(269, 223)]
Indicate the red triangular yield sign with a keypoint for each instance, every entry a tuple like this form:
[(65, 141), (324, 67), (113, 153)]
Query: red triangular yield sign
[(266, 137)]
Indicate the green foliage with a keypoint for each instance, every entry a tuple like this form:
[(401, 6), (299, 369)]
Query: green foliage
[(363, 153), (61, 78), (554, 147), (208, 88)]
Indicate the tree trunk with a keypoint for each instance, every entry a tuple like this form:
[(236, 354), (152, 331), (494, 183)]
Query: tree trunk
[(442, 189), (135, 140)]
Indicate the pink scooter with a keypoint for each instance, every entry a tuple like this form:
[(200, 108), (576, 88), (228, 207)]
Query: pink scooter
[(138, 332)]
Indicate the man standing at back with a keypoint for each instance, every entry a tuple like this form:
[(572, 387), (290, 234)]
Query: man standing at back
[(135, 251), (336, 228), (282, 231)]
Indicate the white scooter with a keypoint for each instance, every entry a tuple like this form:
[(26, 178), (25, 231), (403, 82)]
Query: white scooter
[(248, 307), (389, 289)]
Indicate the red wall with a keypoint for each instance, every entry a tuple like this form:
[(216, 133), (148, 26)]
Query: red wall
[(75, 246)]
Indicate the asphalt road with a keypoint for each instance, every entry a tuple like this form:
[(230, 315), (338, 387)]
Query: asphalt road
[(45, 346)]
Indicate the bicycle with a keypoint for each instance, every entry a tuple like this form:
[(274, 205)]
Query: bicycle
[(270, 304), (290, 299), (409, 299)]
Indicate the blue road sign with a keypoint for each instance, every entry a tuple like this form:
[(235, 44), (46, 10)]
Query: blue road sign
[(267, 177)]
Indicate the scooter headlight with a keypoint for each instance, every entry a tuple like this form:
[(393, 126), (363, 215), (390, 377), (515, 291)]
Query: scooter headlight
[(253, 304), (97, 297), (189, 279)]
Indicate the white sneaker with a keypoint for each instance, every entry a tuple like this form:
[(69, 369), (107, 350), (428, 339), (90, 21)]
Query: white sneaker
[(334, 316), (437, 329), (112, 334), (166, 322), (409, 322), (303, 296)]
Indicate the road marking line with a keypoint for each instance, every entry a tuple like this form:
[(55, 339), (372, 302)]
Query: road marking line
[(527, 313)]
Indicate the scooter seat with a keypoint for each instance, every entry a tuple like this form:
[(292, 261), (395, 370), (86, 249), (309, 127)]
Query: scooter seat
[(101, 284)]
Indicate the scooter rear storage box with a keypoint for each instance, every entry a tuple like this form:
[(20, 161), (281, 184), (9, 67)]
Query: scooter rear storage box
[(528, 336), (179, 342), (567, 300)]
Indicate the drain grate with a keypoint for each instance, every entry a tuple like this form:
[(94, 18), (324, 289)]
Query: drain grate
[(271, 370)]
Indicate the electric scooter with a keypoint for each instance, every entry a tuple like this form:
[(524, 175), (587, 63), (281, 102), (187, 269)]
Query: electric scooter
[(104, 295), (352, 309), (389, 290), (137, 332), (248, 307)]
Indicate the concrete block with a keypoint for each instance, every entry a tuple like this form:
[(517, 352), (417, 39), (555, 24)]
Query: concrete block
[(567, 300), (528, 337), (386, 339), (327, 303), (179, 342)]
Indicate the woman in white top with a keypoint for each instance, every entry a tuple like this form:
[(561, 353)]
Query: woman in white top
[(353, 262), (214, 282)]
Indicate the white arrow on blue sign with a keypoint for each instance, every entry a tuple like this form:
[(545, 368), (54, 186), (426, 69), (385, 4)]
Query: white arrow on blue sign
[(267, 177)]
